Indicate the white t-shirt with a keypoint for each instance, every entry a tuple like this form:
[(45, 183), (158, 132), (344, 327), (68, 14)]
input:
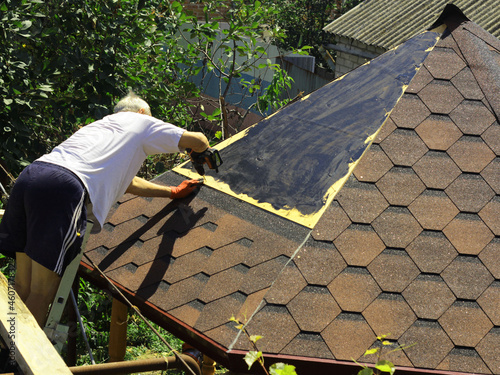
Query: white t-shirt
[(107, 154)]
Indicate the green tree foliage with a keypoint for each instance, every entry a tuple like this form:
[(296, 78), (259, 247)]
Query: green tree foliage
[(232, 43), (64, 63), (303, 21)]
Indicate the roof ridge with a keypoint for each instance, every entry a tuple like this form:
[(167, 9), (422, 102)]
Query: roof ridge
[(483, 65)]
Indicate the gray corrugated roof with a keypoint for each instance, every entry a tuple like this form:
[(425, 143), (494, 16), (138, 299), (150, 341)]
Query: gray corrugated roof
[(388, 23)]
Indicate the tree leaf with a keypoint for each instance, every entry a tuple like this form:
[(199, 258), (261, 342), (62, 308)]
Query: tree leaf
[(365, 371), (255, 338), (282, 369), (371, 351), (385, 366), (251, 357)]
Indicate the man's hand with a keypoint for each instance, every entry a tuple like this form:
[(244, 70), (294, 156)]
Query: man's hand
[(185, 188)]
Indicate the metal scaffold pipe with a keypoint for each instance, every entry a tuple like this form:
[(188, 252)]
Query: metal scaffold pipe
[(131, 367)]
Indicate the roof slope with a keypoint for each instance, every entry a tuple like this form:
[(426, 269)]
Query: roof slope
[(410, 246), (388, 23)]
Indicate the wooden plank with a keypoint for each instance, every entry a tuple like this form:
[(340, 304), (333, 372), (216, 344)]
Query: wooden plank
[(28, 344), (118, 331)]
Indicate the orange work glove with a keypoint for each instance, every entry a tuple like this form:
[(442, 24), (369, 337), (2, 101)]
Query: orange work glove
[(185, 188)]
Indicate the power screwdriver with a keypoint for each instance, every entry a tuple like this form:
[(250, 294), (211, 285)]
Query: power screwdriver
[(210, 157)]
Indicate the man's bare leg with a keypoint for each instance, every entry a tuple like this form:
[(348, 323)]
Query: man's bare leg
[(43, 288), (23, 275)]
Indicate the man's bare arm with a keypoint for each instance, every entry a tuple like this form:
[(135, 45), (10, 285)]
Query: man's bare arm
[(194, 140), (144, 188)]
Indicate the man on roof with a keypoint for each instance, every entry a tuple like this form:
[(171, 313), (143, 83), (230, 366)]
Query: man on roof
[(46, 215)]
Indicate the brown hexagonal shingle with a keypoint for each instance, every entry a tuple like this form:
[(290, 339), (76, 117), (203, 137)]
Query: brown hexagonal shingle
[(444, 63), (429, 296), (361, 201), (279, 325), (351, 328), (262, 275), (397, 227), (490, 256), (488, 349), (333, 222), (393, 270), (354, 281), (491, 214), (387, 128), (437, 170), (188, 265), (359, 245), (389, 350), (433, 209), (421, 79), (409, 112), (492, 138), (225, 257), (471, 154), (308, 345), (440, 97), (427, 344), (179, 293), (465, 82), (469, 192), (325, 308), (216, 313), (468, 233), (490, 302), (465, 323), (438, 132), (431, 251), (464, 360), (320, 264), (400, 186), (288, 284), (472, 117), (467, 277), (389, 313), (404, 147), (373, 165)]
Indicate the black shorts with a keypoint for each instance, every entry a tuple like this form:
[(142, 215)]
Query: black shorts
[(45, 216)]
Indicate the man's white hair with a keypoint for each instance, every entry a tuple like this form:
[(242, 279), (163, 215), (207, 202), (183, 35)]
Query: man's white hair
[(132, 103)]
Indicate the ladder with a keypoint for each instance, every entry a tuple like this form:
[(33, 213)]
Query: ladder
[(55, 331)]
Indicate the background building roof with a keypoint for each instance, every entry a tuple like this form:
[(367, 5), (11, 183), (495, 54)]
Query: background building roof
[(388, 23)]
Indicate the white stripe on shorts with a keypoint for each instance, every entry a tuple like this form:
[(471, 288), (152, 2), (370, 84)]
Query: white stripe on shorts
[(71, 234)]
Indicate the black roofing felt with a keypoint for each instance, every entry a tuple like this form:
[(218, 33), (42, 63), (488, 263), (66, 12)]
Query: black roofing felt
[(292, 158)]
